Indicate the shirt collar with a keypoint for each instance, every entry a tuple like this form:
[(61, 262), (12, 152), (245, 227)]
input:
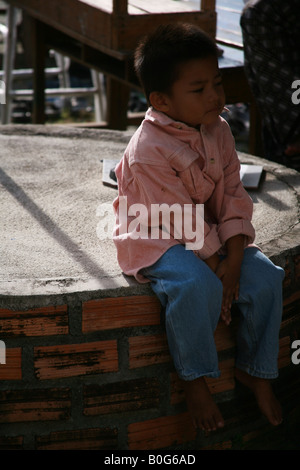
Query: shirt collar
[(162, 119)]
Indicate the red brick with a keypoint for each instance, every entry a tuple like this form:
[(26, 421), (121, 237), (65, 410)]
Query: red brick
[(69, 360), (297, 267), (290, 319), (177, 394), (148, 350), (80, 439), (226, 381), (291, 307), (223, 383), (291, 299), (284, 356), (120, 397), (224, 336), (250, 436), (34, 405), (288, 275), (219, 446), (12, 370), (44, 321), (11, 443), (120, 312), (161, 432)]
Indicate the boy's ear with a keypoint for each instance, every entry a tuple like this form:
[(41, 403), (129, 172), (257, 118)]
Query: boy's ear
[(159, 101)]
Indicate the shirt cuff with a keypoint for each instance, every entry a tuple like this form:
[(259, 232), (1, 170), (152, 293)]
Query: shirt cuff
[(211, 245), (236, 227)]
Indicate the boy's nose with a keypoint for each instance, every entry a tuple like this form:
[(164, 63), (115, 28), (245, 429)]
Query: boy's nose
[(213, 95)]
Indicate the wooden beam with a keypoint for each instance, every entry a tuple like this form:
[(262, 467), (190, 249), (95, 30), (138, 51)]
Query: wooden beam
[(120, 7), (208, 5), (128, 32)]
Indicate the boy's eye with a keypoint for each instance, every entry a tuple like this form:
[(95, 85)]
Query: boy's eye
[(200, 90)]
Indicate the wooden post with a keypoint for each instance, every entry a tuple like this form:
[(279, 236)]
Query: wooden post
[(208, 5), (8, 62), (38, 47), (117, 93), (120, 7), (117, 104)]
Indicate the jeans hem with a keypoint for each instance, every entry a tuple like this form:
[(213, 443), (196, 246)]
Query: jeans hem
[(256, 373), (188, 378)]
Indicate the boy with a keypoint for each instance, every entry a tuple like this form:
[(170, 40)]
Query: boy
[(183, 153)]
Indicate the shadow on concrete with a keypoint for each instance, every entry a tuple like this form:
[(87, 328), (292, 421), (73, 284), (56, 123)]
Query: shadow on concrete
[(51, 227)]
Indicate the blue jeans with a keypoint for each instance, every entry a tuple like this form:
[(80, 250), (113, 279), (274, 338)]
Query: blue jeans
[(192, 296)]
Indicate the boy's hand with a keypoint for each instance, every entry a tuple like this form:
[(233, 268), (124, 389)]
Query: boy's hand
[(228, 271), (213, 262)]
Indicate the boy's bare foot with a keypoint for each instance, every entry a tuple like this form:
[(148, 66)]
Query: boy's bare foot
[(204, 411), (267, 402)]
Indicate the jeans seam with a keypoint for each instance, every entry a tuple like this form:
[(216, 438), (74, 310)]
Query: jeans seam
[(252, 335), (170, 300)]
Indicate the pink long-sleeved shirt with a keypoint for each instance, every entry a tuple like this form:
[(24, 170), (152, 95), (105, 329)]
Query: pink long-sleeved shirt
[(168, 162)]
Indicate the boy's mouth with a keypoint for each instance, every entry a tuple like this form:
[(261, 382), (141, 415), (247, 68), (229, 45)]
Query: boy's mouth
[(216, 109)]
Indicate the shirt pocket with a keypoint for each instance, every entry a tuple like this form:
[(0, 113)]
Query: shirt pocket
[(190, 168), (198, 184)]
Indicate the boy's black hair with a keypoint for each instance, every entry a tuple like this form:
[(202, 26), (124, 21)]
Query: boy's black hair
[(159, 55)]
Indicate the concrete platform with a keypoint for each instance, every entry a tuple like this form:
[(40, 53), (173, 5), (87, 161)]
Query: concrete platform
[(51, 190), (87, 365)]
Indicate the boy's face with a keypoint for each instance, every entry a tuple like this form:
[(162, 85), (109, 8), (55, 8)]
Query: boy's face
[(197, 97)]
